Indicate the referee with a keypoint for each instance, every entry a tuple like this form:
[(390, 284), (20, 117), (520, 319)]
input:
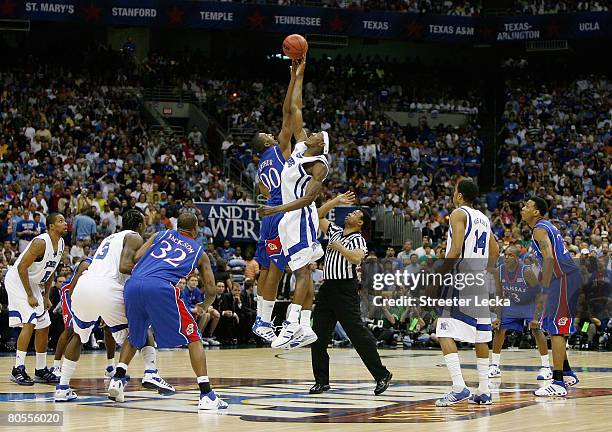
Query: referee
[(338, 299)]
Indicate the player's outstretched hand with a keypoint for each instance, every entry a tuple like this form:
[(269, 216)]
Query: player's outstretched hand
[(496, 323), (346, 198), (265, 210), (32, 301)]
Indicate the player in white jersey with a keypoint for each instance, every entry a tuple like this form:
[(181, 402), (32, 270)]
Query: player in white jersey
[(470, 251), (99, 293), (302, 182), (28, 283)]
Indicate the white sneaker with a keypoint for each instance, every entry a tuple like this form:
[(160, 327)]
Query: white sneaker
[(152, 380), (544, 374), (555, 388), (115, 390), (56, 371), (64, 393), (308, 337), (205, 342), (290, 334), (264, 330), (494, 371), (109, 372), (212, 341), (211, 401)]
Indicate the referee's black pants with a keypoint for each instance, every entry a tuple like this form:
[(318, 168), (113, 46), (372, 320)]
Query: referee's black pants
[(338, 300)]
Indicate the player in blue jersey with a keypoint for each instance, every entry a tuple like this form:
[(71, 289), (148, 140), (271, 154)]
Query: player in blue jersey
[(152, 299), (517, 282), (561, 281), (269, 253)]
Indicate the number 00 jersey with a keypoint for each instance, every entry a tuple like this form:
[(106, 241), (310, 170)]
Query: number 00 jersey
[(269, 173), (171, 257)]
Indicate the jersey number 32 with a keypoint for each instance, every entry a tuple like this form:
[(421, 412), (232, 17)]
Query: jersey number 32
[(178, 254)]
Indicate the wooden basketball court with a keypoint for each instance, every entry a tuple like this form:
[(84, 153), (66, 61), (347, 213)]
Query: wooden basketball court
[(268, 391)]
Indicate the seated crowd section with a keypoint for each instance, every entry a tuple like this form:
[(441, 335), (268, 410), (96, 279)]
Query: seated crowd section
[(77, 142)]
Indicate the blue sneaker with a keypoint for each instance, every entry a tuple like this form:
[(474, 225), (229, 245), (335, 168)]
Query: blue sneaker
[(570, 378), (481, 399), (256, 323), (264, 330), (452, 397), (63, 393)]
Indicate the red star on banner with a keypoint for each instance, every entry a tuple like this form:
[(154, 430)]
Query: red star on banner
[(337, 24), (92, 12), (176, 15), (256, 21), (414, 29), (7, 8), (553, 29)]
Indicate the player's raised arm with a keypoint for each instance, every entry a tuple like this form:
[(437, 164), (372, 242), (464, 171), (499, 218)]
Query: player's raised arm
[(34, 252), (458, 220), (541, 237), (284, 137), (314, 188), (208, 279), (296, 106), (83, 265), (131, 244), (346, 198)]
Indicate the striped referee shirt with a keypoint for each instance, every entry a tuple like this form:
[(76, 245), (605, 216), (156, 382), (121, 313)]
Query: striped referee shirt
[(336, 265)]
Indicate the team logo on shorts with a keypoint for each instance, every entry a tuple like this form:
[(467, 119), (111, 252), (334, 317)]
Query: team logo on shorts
[(189, 329), (273, 247), (562, 321)]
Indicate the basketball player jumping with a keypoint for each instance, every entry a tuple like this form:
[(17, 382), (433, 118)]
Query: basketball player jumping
[(561, 282), (269, 252), (470, 249), (99, 292), (28, 283), (301, 182), (517, 282), (152, 299)]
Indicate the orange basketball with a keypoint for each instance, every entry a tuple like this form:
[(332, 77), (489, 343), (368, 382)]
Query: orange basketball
[(295, 46)]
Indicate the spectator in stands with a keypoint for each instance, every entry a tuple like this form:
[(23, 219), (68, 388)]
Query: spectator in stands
[(226, 252), (84, 227), (406, 251)]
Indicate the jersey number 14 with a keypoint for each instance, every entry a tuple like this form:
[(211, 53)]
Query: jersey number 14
[(481, 242)]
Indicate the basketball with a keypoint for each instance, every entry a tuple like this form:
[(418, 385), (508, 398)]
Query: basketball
[(295, 46)]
